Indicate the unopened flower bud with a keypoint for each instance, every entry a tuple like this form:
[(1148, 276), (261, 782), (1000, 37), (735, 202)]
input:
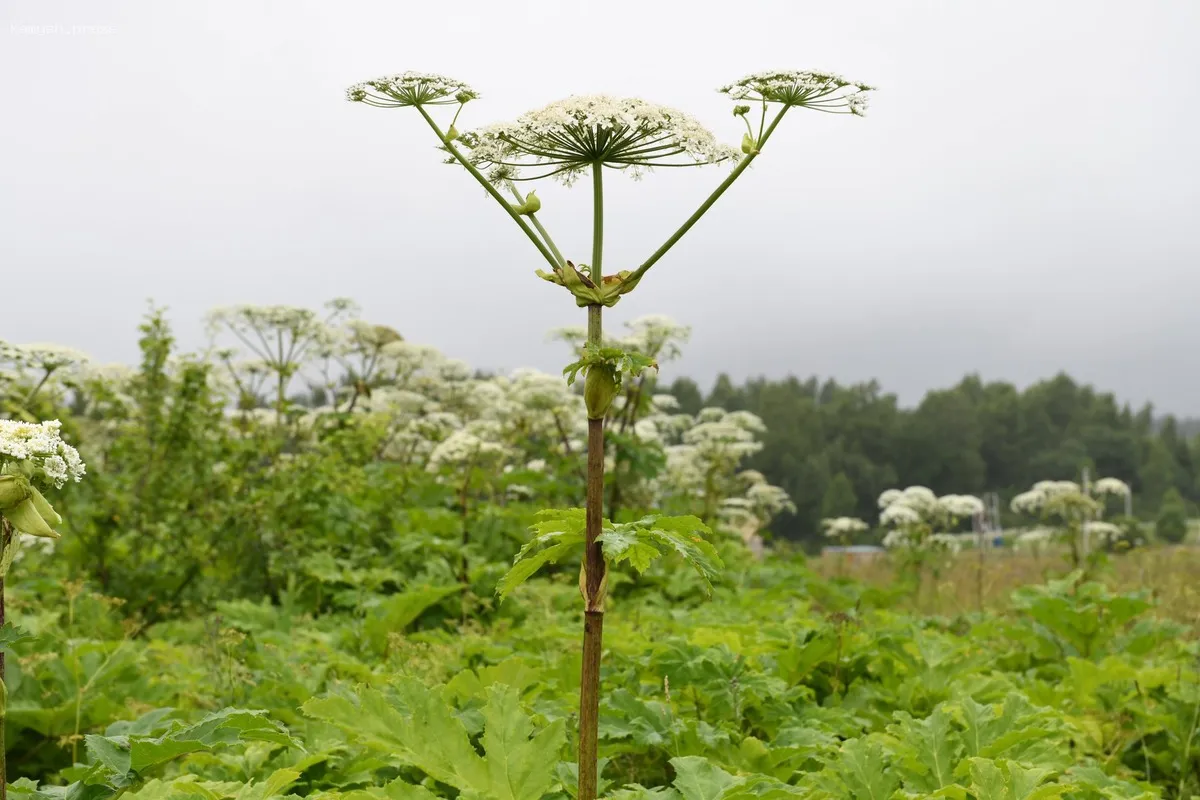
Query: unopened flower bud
[(465, 96), (13, 491), (599, 390), (741, 111), (531, 205)]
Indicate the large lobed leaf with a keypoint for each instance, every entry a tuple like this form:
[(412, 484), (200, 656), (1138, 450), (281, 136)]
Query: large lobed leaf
[(417, 727)]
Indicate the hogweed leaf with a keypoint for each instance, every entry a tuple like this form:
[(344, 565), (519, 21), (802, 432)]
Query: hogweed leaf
[(557, 535), (228, 726), (10, 634), (697, 778), (620, 544), (416, 726), (1007, 780), (861, 769), (520, 761)]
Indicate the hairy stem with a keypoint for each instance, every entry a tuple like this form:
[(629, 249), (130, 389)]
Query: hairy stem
[(454, 151), (712, 198)]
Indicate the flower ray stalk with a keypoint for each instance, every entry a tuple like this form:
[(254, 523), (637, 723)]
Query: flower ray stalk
[(492, 190), (712, 198)]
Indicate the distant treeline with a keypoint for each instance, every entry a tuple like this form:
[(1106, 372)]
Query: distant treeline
[(835, 448)]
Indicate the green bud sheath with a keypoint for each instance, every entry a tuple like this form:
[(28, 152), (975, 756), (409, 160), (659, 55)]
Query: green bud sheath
[(747, 144), (13, 491), (25, 517), (452, 134), (532, 204), (44, 509), (599, 390)]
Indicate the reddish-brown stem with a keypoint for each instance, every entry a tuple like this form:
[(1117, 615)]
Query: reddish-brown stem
[(6, 535), (593, 586)]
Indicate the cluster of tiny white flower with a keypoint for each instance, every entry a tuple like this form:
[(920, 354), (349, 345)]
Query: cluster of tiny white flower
[(465, 448), (42, 356), (40, 448), (1111, 486), (838, 527), (823, 91), (960, 506), (567, 137), (410, 89), (1105, 532)]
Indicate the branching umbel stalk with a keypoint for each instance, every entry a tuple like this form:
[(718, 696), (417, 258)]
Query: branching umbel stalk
[(569, 139)]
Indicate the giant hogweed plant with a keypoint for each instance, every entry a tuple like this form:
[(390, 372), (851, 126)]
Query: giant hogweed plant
[(582, 137), (31, 455)]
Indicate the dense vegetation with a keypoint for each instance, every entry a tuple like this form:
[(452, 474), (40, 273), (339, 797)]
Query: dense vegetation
[(834, 448), (259, 594)]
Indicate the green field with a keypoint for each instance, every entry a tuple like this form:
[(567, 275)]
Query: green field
[(262, 593)]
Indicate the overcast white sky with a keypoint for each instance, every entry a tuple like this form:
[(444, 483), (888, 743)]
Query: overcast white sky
[(1022, 197)]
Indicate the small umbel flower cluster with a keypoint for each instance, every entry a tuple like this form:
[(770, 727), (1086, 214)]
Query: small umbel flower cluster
[(39, 451), (33, 453), (411, 89), (820, 91)]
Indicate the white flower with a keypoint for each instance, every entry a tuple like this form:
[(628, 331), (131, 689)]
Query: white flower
[(897, 537), (568, 136), (888, 497), (465, 448), (947, 542), (537, 465), (42, 355), (898, 514), (1035, 537), (920, 498), (410, 89), (1113, 486), (664, 402), (657, 336), (837, 527), (960, 505), (40, 447), (823, 91), (1104, 531)]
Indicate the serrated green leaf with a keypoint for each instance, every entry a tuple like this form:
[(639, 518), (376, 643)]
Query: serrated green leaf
[(112, 754), (520, 761), (10, 634), (696, 778), (401, 790), (558, 534), (861, 769), (627, 545), (1008, 780), (228, 726), (416, 726), (928, 750)]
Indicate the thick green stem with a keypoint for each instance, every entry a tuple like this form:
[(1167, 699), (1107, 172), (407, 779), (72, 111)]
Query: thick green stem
[(597, 226), (712, 198), (512, 212), (593, 618)]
